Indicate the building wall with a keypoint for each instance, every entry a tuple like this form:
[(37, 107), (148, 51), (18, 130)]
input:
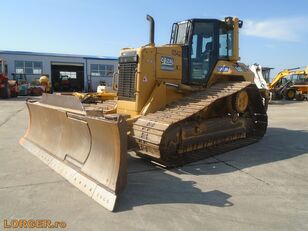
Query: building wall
[(47, 60), (96, 80)]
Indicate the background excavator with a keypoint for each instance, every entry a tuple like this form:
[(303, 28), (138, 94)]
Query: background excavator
[(290, 84), (175, 104)]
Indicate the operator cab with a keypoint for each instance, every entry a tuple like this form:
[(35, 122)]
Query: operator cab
[(204, 42), (299, 78)]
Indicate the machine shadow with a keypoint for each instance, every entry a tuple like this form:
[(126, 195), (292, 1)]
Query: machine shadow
[(163, 188), (158, 186), (21, 98), (285, 102), (277, 144)]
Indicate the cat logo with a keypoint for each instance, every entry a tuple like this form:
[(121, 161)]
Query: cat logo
[(166, 63), (223, 69)]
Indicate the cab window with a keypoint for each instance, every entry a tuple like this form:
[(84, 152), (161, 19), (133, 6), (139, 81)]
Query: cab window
[(179, 33), (225, 42)]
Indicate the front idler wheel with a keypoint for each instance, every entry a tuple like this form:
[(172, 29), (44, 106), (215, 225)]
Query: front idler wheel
[(241, 101)]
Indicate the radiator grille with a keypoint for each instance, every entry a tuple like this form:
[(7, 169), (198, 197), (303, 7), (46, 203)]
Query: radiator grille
[(126, 84)]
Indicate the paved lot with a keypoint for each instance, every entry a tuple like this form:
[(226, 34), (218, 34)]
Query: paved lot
[(260, 187)]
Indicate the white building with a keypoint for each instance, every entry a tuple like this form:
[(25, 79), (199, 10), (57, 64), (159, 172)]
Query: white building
[(66, 72)]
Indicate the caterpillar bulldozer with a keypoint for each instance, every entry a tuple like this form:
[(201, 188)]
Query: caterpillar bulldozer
[(175, 104)]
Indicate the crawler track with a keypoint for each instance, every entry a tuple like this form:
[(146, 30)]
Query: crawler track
[(168, 136)]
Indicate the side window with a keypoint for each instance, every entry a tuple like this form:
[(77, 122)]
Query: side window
[(230, 43), (181, 35), (225, 43), (301, 77)]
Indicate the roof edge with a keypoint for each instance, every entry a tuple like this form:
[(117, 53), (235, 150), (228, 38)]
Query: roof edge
[(57, 55)]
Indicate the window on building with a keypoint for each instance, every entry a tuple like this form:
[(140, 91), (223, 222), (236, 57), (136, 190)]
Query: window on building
[(102, 70), (68, 75), (28, 67)]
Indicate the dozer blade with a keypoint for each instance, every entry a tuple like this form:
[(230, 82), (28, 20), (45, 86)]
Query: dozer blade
[(90, 152)]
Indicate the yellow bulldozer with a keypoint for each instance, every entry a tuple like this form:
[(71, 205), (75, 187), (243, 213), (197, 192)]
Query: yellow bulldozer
[(175, 104)]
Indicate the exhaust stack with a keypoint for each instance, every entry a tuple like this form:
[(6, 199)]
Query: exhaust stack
[(152, 28)]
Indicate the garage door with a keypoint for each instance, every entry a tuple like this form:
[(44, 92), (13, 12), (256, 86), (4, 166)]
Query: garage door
[(67, 77)]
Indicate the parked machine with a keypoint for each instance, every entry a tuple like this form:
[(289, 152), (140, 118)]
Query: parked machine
[(40, 85), (23, 84), (45, 83), (175, 104), (4, 86), (103, 93), (8, 88), (290, 84), (261, 83)]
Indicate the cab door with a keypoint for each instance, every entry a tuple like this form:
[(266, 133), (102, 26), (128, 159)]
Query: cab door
[(203, 53)]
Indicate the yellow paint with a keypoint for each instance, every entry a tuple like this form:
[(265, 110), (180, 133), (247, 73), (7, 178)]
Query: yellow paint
[(174, 52), (157, 100), (237, 71), (127, 108), (148, 74), (153, 90), (235, 56)]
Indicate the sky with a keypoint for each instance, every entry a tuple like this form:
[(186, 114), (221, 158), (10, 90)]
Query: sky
[(274, 33)]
